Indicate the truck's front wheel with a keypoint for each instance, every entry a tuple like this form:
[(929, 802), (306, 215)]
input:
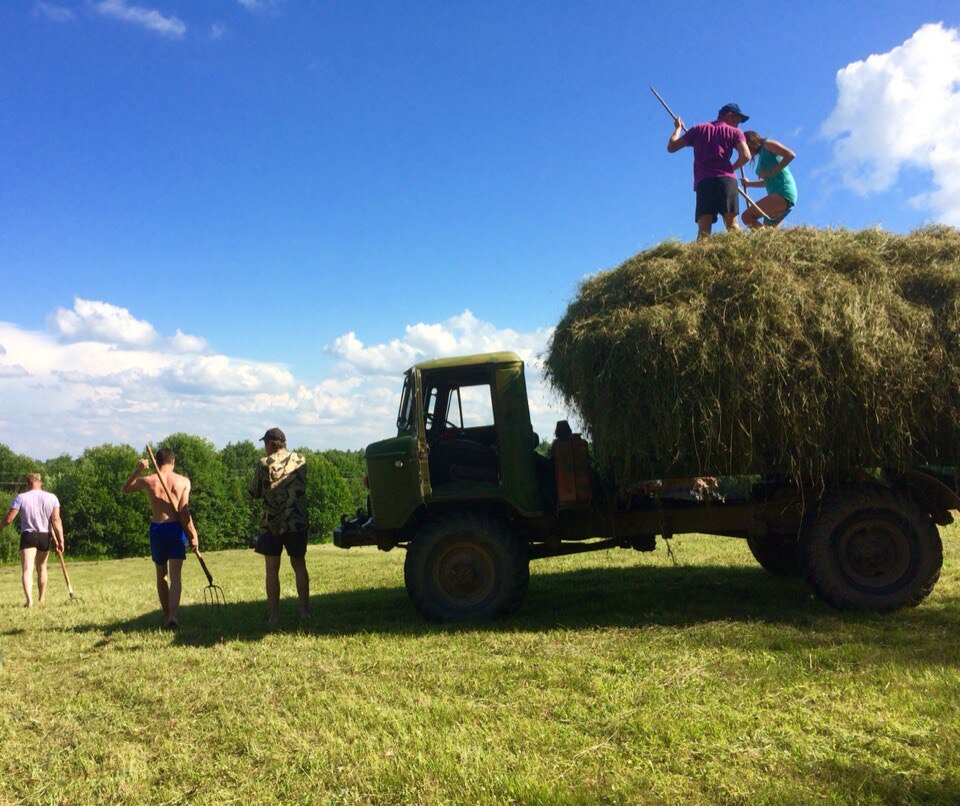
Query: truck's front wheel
[(466, 566), (871, 550)]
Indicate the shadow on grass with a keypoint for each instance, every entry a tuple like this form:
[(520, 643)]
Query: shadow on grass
[(601, 598)]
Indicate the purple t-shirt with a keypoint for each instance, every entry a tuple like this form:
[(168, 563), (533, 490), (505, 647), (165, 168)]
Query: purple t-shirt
[(36, 507), (713, 145)]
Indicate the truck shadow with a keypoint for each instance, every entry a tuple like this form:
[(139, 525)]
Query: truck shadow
[(749, 600)]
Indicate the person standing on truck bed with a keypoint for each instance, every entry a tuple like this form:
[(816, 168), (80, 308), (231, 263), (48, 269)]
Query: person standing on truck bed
[(714, 178), (280, 481), (40, 530)]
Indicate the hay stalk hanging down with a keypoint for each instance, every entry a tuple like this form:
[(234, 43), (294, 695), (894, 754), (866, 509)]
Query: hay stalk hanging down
[(812, 353)]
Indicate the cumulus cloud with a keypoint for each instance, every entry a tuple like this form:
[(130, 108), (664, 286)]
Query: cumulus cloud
[(459, 335), (181, 342), (148, 18), (901, 109), (54, 12), (12, 371), (101, 321), (94, 392)]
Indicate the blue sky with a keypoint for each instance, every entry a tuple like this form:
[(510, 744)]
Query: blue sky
[(270, 176)]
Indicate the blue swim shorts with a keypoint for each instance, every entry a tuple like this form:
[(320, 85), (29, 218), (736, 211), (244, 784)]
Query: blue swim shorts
[(167, 542)]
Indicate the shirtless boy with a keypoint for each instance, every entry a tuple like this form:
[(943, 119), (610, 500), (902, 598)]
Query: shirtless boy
[(168, 542)]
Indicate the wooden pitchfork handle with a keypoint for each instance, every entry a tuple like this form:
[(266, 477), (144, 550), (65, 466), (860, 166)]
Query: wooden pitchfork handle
[(66, 576), (175, 503), (740, 190)]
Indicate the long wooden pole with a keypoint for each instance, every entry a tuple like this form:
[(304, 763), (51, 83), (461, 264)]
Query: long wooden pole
[(740, 190), (176, 509)]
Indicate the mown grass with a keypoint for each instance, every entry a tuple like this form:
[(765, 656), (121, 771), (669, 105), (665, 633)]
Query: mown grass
[(622, 678)]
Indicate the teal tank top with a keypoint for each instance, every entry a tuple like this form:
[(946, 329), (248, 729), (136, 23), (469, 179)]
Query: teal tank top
[(783, 182)]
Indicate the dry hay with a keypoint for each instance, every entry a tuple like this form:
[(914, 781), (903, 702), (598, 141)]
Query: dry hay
[(810, 353)]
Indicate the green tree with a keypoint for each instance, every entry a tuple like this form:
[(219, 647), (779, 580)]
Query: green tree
[(98, 519), (14, 466), (239, 460), (328, 495), (352, 467), (54, 468), (10, 535)]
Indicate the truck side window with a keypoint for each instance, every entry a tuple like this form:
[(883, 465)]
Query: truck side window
[(477, 404)]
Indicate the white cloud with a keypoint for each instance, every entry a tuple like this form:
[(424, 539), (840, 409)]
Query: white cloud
[(94, 392), (12, 371), (101, 321), (901, 109), (54, 12), (148, 18), (181, 342), (217, 31)]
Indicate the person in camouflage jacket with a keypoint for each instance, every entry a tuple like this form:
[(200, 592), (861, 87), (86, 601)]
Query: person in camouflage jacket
[(280, 481)]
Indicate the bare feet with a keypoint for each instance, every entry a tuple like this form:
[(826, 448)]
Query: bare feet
[(273, 621), (172, 624), (27, 604), (304, 614)]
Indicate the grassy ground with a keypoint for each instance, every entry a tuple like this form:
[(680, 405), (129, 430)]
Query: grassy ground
[(623, 677)]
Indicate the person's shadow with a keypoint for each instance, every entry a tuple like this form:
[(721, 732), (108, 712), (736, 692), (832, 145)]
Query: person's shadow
[(619, 597)]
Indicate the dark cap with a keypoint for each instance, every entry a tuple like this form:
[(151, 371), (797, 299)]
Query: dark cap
[(732, 108), (274, 435)]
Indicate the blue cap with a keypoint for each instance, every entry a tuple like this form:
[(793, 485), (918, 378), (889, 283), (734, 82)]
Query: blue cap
[(732, 108)]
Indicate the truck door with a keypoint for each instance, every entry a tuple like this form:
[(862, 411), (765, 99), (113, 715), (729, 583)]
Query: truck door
[(423, 452)]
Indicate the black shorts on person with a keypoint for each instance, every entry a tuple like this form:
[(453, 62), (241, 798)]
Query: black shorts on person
[(717, 196), (273, 545), (41, 541)]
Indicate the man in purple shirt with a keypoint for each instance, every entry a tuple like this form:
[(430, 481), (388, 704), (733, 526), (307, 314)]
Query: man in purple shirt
[(714, 178), (40, 530)]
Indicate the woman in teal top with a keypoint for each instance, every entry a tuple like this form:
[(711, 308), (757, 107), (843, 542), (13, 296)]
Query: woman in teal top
[(771, 159)]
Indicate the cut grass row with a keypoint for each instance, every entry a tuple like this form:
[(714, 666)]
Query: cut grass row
[(623, 677)]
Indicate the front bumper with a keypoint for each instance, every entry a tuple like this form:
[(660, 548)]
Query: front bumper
[(360, 530)]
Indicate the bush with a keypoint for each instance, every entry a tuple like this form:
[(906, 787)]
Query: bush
[(805, 352)]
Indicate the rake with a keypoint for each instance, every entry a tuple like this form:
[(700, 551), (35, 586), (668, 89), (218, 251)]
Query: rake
[(212, 594), (74, 599)]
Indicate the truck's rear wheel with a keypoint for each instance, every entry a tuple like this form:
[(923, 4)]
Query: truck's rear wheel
[(871, 550), (776, 554), (464, 567)]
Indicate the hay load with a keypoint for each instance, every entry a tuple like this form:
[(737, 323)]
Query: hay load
[(805, 352)]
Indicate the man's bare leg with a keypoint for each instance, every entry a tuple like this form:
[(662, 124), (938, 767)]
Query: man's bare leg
[(27, 557), (299, 566), (176, 567), (163, 590), (704, 226), (272, 567), (730, 221), (42, 575)]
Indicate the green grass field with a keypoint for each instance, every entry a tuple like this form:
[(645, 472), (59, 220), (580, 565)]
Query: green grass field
[(622, 678)]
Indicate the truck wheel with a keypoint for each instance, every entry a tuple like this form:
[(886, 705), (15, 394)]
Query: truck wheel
[(871, 550), (464, 567), (776, 554)]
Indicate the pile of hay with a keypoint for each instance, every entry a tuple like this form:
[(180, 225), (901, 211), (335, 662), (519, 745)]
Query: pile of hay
[(805, 352)]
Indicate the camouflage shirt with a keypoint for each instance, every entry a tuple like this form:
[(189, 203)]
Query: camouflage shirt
[(281, 481)]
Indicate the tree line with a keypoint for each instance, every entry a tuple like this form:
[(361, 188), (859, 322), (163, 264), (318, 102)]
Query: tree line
[(99, 521)]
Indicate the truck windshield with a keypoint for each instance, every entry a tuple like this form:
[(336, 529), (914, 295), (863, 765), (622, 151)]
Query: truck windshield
[(406, 414)]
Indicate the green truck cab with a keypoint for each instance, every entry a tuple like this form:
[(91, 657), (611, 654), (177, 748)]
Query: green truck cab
[(463, 488)]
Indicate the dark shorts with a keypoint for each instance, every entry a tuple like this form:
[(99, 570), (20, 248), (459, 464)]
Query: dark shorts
[(273, 545), (717, 196), (167, 542), (41, 541)]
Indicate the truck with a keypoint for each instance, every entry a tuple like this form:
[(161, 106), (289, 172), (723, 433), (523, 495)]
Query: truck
[(467, 489)]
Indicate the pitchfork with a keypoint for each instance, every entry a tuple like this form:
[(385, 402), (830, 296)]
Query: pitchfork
[(212, 594), (74, 599)]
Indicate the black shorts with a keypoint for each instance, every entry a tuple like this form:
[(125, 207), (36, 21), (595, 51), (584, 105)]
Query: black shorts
[(273, 545), (41, 541), (717, 196)]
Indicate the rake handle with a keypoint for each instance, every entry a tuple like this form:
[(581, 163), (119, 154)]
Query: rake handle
[(176, 510), (66, 576), (740, 190)]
